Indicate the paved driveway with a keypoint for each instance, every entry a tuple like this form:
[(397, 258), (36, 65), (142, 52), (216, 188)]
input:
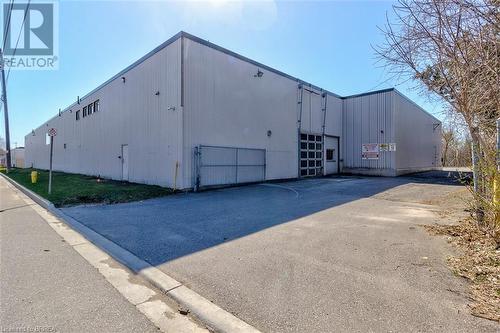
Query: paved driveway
[(319, 255)]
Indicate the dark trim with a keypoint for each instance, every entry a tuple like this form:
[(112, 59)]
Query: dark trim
[(416, 105), (182, 71), (253, 62), (200, 41), (182, 34), (133, 65), (369, 93)]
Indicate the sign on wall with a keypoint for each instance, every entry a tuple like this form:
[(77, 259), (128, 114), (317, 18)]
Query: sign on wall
[(370, 151)]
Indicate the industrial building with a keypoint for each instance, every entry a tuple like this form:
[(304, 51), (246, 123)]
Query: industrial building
[(191, 114)]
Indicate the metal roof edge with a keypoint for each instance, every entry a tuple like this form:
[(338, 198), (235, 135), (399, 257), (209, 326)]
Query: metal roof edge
[(128, 68), (369, 93), (198, 40), (233, 54), (415, 104), (253, 62)]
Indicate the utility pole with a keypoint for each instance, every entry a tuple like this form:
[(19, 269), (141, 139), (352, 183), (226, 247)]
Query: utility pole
[(6, 112)]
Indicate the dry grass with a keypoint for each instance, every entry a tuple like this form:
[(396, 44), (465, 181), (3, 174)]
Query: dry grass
[(479, 263)]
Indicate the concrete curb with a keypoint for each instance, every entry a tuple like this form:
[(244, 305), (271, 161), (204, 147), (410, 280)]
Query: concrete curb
[(210, 314)]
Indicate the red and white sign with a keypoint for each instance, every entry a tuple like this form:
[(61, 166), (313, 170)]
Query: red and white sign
[(370, 151), (52, 132)]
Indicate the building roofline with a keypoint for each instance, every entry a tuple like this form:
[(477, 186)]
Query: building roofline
[(369, 93), (223, 50), (253, 62), (397, 92), (203, 42), (415, 104)]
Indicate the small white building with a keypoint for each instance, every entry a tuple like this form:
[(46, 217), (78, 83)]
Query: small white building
[(192, 114), (17, 157)]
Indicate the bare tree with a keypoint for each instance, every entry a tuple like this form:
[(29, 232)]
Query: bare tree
[(451, 49), (448, 140)]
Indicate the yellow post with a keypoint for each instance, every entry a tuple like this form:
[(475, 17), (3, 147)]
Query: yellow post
[(34, 177)]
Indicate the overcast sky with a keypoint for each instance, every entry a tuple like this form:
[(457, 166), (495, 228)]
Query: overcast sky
[(327, 43)]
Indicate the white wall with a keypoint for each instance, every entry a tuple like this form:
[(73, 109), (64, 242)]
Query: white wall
[(226, 105), (418, 137), (130, 113), (17, 157), (368, 119)]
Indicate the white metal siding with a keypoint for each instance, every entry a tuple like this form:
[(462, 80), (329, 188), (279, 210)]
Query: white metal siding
[(368, 119), (130, 113), (225, 105), (418, 137)]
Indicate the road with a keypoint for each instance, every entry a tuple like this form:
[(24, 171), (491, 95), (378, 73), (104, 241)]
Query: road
[(343, 254), (44, 283)]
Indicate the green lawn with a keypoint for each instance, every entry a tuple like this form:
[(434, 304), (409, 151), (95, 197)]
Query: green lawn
[(72, 189)]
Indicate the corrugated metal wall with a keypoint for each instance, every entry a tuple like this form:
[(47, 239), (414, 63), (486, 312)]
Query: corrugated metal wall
[(368, 119), (418, 136), (130, 113), (227, 104)]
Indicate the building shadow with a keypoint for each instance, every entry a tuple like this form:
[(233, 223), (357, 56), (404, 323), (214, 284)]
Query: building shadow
[(163, 229)]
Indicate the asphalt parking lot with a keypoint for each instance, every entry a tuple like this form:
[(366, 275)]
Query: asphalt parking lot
[(317, 255)]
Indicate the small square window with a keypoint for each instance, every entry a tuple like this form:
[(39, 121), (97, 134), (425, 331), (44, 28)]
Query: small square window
[(318, 154), (303, 145), (311, 154), (318, 146), (318, 163), (330, 153), (303, 172), (303, 136), (311, 137), (318, 138), (303, 154), (303, 164), (311, 146)]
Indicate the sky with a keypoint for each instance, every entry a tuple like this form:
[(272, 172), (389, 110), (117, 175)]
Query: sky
[(327, 43)]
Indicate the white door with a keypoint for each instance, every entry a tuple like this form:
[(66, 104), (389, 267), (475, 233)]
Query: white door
[(331, 155), (124, 162)]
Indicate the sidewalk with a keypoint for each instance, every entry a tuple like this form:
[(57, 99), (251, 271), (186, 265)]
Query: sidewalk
[(45, 283)]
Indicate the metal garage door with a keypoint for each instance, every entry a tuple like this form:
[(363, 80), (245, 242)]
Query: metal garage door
[(216, 165)]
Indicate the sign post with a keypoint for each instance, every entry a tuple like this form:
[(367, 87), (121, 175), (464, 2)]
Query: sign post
[(51, 133)]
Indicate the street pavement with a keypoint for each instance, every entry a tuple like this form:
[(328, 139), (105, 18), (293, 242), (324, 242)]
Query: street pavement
[(343, 254), (46, 285)]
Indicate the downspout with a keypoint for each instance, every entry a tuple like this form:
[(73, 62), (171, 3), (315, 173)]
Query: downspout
[(182, 126), (325, 96), (300, 95)]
